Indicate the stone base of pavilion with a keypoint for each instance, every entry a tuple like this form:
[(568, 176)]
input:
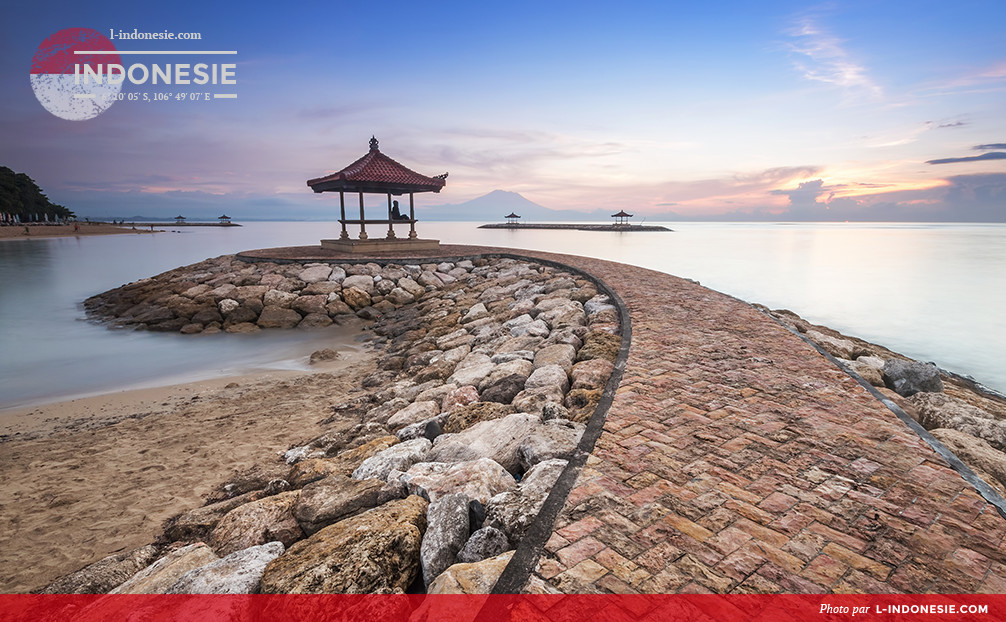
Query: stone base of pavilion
[(382, 245)]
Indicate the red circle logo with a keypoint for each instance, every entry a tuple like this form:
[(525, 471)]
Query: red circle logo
[(67, 74)]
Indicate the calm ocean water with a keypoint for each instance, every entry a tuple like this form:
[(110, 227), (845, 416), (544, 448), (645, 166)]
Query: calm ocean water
[(932, 292)]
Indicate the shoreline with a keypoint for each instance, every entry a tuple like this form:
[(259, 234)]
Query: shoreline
[(42, 231)]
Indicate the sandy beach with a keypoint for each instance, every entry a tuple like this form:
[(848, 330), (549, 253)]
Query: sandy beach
[(102, 474), (62, 231)]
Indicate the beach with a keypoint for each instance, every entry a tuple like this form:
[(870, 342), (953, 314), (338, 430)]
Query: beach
[(37, 230), (101, 474)]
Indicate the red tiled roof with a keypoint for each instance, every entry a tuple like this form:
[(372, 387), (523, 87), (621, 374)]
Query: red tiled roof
[(376, 172)]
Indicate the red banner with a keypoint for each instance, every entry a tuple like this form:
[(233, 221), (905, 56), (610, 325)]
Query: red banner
[(517, 608)]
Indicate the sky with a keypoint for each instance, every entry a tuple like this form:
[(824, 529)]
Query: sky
[(773, 110)]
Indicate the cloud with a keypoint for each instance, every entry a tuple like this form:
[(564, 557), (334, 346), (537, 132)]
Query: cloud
[(989, 147), (992, 155), (824, 59), (954, 124)]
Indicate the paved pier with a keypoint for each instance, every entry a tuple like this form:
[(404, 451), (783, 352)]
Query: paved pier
[(736, 458)]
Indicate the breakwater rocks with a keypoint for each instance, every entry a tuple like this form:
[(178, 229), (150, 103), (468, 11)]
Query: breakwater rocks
[(965, 417), (488, 371)]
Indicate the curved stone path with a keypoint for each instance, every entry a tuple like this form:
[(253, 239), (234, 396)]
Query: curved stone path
[(736, 458)]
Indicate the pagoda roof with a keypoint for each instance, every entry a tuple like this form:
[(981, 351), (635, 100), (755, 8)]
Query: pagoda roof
[(621, 214), (511, 215), (376, 172)]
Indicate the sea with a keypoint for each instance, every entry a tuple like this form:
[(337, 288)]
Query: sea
[(933, 292)]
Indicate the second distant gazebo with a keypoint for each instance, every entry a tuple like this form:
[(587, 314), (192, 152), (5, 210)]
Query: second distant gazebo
[(179, 220), (621, 219), (224, 220), (511, 218), (377, 173)]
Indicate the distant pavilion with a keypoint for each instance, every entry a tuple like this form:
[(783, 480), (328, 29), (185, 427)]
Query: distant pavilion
[(621, 218), (376, 173), (224, 220), (179, 220), (511, 218)]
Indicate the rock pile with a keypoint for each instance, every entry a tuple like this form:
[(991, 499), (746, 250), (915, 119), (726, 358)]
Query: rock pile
[(490, 369)]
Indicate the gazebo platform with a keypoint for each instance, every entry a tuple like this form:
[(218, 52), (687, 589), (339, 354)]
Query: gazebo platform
[(381, 245)]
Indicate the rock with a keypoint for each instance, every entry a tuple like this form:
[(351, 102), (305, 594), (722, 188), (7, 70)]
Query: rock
[(472, 374), (237, 329), (484, 543), (409, 285), (413, 413), (504, 390), (446, 533), (197, 524), (278, 317), (310, 304), (206, 316), (506, 357), (591, 374), (314, 274), (355, 297), (476, 312), (376, 552), (104, 574), (910, 377), (477, 479), (461, 396), (988, 462), (430, 279), (459, 337), (337, 307), (598, 344), (338, 274), (582, 403), (400, 296), (870, 373), (548, 376), (227, 305), (477, 578), (473, 359), (258, 522), (238, 573), (467, 416), (276, 298), (360, 281), (557, 438), (345, 463), (839, 348), (512, 512), (552, 410), (516, 367), (560, 354), (535, 400), (497, 439), (158, 577), (332, 499), (326, 354), (937, 410), (537, 328), (315, 320), (397, 457)]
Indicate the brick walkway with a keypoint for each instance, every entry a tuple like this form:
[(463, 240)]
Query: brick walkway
[(735, 458)]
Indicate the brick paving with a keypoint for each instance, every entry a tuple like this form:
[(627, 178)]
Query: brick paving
[(735, 458)]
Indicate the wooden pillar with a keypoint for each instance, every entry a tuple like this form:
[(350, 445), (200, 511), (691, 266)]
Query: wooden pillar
[(412, 218), (363, 227), (342, 215), (391, 221)]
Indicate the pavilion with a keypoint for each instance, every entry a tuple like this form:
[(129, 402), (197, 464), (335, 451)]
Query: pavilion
[(622, 219), (224, 220), (376, 173), (179, 220), (511, 218)]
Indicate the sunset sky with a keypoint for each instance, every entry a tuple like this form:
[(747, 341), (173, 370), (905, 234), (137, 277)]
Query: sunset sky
[(777, 110)]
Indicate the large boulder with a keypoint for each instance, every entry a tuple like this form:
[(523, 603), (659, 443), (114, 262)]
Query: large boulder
[(414, 413), (910, 377), (278, 317), (238, 573), (497, 440), (477, 578), (557, 438), (839, 348), (397, 457), (987, 461), (466, 416), (266, 520), (105, 574), (548, 376), (361, 281), (446, 532), (158, 577), (937, 410), (313, 469), (196, 524), (332, 499), (356, 298), (561, 354), (598, 344), (591, 374), (478, 479), (376, 552), (512, 512), (315, 273)]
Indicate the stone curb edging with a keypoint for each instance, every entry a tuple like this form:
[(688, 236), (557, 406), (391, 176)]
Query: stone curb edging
[(518, 570), (981, 487)]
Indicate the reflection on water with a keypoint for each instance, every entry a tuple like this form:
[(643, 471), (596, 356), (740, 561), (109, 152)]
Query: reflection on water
[(933, 292)]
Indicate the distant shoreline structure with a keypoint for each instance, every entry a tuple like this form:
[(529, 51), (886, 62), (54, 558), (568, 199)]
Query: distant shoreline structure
[(574, 226)]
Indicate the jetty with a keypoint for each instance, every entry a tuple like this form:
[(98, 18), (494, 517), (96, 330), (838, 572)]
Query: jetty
[(573, 226)]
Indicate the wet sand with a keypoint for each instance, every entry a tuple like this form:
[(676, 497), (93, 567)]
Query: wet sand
[(62, 231)]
